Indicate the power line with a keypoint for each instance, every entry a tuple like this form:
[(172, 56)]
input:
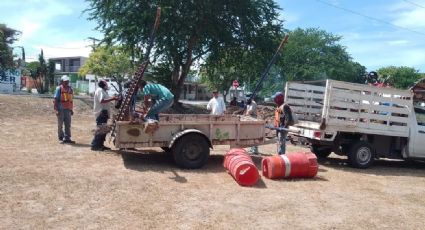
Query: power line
[(415, 4), (369, 17)]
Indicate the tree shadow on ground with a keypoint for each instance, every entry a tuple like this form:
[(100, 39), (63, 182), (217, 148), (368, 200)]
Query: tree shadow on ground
[(381, 167)]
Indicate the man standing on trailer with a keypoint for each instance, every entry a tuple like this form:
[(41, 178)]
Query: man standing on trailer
[(282, 119), (157, 98), (216, 104)]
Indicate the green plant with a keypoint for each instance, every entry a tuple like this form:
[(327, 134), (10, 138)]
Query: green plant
[(52, 90), (77, 91)]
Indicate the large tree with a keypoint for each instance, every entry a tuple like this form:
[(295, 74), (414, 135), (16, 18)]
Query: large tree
[(400, 77), (314, 54), (112, 62), (189, 30), (7, 37), (310, 54), (41, 72)]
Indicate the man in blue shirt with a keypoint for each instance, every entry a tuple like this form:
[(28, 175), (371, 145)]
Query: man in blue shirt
[(162, 97)]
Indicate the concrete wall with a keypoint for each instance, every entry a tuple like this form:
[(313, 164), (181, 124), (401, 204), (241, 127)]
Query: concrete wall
[(10, 81)]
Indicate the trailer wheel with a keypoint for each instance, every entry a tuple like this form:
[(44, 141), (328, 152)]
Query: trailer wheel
[(320, 151), (191, 151), (361, 155)]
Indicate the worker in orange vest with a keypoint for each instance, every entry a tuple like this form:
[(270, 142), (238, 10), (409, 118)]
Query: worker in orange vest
[(63, 105), (283, 118)]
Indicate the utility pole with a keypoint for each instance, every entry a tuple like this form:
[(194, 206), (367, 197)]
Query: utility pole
[(94, 40)]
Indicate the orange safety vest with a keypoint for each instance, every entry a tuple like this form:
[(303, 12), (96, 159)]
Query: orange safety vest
[(278, 112), (276, 120), (66, 97)]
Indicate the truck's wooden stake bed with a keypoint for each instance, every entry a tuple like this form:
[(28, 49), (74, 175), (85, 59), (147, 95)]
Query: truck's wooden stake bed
[(190, 136), (360, 121)]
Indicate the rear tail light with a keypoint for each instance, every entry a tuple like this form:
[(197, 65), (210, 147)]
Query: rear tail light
[(317, 134)]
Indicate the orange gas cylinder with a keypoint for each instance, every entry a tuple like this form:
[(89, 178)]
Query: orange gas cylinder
[(291, 165), (241, 167)]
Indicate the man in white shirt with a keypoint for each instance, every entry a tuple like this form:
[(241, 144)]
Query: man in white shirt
[(251, 110), (216, 104), (102, 112)]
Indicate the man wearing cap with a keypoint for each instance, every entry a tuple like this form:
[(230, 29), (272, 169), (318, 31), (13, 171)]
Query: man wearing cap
[(63, 105), (101, 108), (282, 119), (216, 104)]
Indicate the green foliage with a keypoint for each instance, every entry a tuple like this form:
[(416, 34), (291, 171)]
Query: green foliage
[(189, 30), (314, 54), (113, 62), (310, 54), (77, 91), (42, 73), (400, 77), (52, 90), (7, 37)]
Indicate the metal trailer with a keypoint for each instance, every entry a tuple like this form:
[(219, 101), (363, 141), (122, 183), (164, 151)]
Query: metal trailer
[(189, 137)]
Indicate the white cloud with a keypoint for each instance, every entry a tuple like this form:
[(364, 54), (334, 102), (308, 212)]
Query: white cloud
[(397, 42), (34, 17), (414, 19), (68, 49), (28, 28), (409, 15), (375, 54)]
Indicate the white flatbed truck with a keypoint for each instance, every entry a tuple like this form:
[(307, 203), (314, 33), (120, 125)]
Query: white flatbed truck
[(360, 121)]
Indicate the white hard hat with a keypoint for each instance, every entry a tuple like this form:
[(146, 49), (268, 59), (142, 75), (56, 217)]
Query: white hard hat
[(64, 78)]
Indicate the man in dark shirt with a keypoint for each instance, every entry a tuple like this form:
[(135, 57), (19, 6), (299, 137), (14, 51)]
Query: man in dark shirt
[(283, 119)]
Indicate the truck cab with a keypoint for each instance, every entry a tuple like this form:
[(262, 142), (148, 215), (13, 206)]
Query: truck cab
[(417, 133)]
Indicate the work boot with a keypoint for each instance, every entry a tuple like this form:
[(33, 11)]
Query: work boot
[(68, 142), (105, 148)]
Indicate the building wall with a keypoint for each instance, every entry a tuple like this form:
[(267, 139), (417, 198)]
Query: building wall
[(194, 91), (10, 80), (68, 65)]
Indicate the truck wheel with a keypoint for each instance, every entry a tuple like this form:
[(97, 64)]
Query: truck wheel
[(166, 149), (191, 151), (361, 155), (320, 151)]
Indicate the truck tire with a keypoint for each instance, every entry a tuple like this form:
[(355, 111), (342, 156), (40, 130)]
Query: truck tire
[(166, 149), (320, 151), (191, 151), (361, 155)]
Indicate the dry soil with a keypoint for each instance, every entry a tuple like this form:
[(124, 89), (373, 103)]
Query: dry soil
[(48, 185)]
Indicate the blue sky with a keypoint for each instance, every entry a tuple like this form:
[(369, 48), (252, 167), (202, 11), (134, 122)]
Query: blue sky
[(376, 33)]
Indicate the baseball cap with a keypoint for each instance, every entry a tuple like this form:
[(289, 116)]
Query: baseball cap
[(277, 94), (64, 78)]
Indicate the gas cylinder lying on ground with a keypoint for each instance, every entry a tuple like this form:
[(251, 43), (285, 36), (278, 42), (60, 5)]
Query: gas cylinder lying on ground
[(241, 167), (291, 165)]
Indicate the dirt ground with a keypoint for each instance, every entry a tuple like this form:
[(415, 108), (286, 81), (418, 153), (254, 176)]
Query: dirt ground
[(48, 185)]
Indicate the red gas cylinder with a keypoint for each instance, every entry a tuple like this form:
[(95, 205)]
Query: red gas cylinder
[(241, 167), (291, 165)]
